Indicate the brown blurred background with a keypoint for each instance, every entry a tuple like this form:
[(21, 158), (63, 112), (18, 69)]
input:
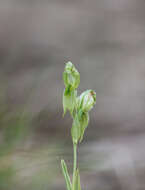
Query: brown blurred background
[(105, 39)]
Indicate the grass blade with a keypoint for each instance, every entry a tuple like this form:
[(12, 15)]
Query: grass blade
[(66, 175)]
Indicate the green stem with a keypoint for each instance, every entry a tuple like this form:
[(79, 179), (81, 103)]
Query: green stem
[(75, 160)]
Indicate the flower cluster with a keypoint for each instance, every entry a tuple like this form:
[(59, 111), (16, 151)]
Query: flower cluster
[(79, 106)]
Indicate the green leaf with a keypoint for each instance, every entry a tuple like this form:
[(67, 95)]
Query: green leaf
[(77, 184), (66, 175), (69, 100), (76, 129), (84, 120)]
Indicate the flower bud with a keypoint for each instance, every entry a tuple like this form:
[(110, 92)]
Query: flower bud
[(86, 100), (71, 76), (71, 79)]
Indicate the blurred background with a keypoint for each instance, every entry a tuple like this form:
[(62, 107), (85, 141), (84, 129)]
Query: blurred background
[(105, 39)]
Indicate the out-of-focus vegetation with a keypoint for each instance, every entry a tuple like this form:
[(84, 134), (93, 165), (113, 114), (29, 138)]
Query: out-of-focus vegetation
[(22, 164), (13, 130)]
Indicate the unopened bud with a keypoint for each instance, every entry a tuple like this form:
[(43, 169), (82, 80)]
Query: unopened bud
[(71, 76), (87, 100)]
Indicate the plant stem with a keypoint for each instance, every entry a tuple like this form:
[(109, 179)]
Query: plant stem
[(75, 160)]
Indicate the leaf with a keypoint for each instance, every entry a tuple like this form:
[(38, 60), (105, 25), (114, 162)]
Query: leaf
[(84, 120), (69, 100), (75, 130), (66, 175), (77, 185)]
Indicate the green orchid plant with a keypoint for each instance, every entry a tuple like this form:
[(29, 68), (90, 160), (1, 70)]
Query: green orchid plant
[(79, 107)]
